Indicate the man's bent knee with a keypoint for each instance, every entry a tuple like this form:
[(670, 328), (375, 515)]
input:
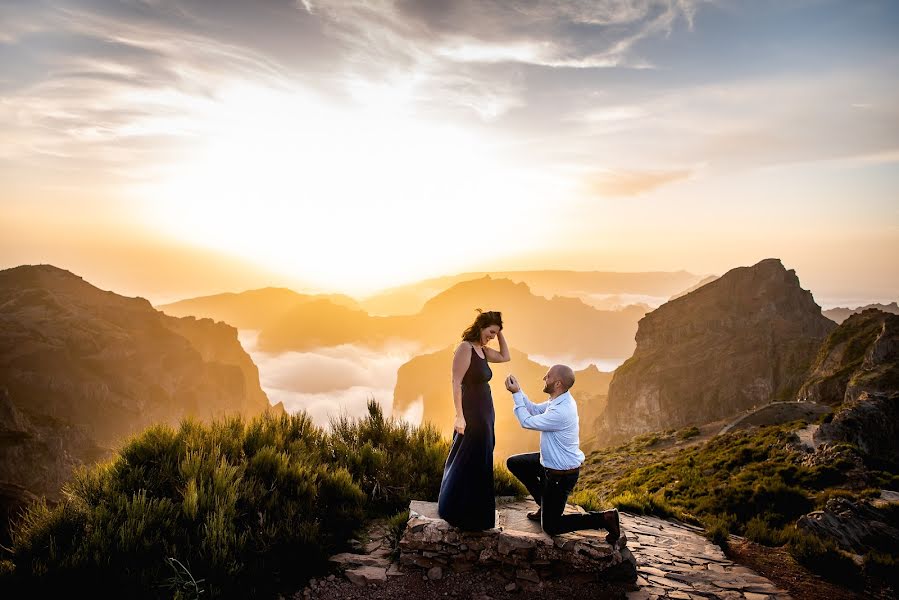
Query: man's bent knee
[(513, 463)]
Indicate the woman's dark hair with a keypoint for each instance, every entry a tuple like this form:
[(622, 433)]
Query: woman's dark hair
[(482, 321)]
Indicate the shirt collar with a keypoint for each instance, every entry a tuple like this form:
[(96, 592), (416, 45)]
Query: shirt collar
[(561, 397)]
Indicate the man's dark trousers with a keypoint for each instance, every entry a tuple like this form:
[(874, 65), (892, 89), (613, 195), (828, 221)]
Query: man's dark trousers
[(551, 491)]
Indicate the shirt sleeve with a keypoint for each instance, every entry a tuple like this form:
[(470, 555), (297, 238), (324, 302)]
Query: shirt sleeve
[(548, 419), (533, 408)]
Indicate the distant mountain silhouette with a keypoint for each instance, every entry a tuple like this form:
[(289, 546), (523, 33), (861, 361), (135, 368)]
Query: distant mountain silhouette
[(426, 378), (840, 314), (537, 325), (745, 339), (692, 288), (253, 309), (83, 368), (409, 299)]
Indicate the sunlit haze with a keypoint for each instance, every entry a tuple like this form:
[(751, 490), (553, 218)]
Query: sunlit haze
[(174, 148)]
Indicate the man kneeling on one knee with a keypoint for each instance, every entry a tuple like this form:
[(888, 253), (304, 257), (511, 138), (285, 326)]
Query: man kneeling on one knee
[(551, 474)]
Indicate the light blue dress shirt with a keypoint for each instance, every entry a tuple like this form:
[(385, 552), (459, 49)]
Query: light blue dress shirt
[(558, 424)]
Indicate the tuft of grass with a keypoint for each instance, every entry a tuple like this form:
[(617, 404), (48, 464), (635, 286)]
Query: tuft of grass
[(760, 531), (687, 433), (643, 503), (396, 525), (587, 499), (718, 527)]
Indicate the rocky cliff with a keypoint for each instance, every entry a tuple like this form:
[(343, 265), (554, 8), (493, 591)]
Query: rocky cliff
[(37, 456), (857, 371), (84, 368), (745, 339)]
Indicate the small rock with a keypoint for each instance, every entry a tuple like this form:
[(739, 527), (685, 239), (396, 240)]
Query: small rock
[(366, 575), (435, 573), (511, 587), (331, 577)]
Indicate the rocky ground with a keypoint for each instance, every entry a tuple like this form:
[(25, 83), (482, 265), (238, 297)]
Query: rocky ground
[(673, 560)]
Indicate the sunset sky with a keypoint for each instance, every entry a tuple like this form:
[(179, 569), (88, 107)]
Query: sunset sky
[(166, 147)]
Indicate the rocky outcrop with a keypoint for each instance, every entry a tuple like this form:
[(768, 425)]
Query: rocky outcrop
[(425, 379), (863, 350), (856, 527), (85, 368), (743, 340), (857, 371), (516, 548)]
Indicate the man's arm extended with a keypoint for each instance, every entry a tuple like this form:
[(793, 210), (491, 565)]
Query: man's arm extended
[(542, 419)]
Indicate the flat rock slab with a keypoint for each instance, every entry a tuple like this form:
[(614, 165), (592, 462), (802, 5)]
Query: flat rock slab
[(366, 575)]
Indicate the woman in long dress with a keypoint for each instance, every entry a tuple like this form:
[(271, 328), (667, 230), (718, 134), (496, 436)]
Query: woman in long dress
[(467, 498)]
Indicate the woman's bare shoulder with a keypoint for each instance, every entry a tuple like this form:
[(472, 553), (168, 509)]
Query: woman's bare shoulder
[(463, 346)]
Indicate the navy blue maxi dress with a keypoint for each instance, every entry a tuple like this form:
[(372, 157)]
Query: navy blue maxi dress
[(466, 493)]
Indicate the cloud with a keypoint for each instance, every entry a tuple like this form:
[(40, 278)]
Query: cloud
[(329, 381), (633, 183)]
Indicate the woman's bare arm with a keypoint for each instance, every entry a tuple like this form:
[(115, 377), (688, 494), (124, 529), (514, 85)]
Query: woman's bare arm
[(461, 362), (497, 357)]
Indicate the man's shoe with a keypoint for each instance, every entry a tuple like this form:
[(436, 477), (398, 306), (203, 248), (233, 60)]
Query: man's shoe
[(534, 516), (610, 523)]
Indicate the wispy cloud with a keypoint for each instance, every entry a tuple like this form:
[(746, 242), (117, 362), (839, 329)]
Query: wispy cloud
[(633, 183)]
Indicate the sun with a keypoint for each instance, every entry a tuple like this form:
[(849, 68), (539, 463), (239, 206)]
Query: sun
[(354, 198)]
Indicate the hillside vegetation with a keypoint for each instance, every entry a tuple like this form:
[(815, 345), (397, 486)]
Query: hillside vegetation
[(233, 509)]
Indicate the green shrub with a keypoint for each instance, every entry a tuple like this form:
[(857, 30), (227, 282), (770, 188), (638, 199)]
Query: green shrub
[(643, 503), (687, 433), (824, 558), (718, 527), (586, 499), (391, 461), (758, 530), (396, 525), (219, 510)]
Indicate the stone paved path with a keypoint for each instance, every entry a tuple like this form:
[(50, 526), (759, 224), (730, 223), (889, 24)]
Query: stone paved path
[(675, 561)]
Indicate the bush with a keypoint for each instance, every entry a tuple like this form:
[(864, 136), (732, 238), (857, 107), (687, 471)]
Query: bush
[(687, 433), (391, 461), (824, 558), (717, 528), (758, 530), (226, 509)]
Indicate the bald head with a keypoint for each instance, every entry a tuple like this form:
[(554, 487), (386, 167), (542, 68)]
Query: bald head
[(564, 374)]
